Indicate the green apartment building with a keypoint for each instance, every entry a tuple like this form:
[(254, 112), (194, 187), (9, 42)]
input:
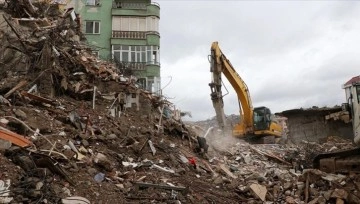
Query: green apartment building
[(127, 32)]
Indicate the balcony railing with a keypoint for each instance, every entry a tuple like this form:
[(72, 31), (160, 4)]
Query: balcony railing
[(132, 34), (129, 5), (132, 65), (128, 34)]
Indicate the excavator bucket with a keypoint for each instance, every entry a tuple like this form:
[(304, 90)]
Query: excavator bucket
[(338, 162)]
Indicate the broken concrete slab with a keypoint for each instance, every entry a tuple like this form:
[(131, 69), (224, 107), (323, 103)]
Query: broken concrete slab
[(227, 171), (340, 193), (258, 190)]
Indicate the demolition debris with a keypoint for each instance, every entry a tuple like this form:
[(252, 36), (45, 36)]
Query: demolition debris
[(74, 129)]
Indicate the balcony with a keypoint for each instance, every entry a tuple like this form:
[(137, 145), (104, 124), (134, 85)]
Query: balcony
[(128, 5), (131, 65), (132, 34), (132, 5)]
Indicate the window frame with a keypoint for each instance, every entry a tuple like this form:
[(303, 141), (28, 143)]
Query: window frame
[(93, 3), (148, 54), (140, 24), (93, 27)]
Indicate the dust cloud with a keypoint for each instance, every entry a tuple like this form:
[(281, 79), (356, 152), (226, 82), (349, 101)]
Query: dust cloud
[(221, 141)]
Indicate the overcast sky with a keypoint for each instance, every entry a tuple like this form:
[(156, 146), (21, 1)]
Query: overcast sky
[(291, 54)]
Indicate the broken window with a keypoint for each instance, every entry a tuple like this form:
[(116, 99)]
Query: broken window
[(92, 27)]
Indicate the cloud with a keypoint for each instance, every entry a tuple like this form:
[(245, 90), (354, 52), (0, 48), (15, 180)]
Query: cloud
[(291, 54)]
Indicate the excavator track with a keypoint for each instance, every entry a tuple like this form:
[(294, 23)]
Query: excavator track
[(255, 139), (338, 162)]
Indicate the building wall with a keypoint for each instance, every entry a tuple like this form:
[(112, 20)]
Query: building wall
[(312, 127)]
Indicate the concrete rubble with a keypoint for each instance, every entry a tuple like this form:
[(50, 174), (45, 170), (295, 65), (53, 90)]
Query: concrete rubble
[(74, 129)]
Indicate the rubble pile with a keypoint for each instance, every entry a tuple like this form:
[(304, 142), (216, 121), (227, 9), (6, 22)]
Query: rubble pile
[(326, 145), (73, 129), (277, 174)]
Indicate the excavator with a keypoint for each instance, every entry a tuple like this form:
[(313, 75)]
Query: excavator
[(256, 124), (345, 160)]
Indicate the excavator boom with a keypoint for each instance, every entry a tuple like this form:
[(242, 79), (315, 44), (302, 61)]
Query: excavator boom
[(221, 65)]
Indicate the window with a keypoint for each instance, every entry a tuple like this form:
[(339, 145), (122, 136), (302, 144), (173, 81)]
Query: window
[(150, 84), (157, 85), (152, 23), (142, 24), (92, 27), (93, 2), (140, 54), (142, 82)]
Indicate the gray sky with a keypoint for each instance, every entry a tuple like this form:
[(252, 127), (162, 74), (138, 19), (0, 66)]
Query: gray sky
[(291, 54)]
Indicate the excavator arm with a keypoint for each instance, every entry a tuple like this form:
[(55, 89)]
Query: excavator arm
[(221, 65)]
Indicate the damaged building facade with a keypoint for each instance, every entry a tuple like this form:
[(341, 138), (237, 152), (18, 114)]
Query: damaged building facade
[(126, 32), (316, 124)]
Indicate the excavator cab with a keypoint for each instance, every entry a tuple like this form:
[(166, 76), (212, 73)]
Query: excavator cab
[(262, 118)]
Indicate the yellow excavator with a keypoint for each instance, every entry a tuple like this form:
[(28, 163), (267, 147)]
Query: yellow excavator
[(256, 124)]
